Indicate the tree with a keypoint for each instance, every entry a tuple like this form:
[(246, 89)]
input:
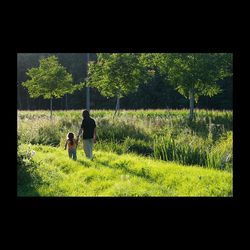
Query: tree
[(19, 97), (49, 80), (192, 74), (158, 93), (78, 68), (87, 87), (116, 75)]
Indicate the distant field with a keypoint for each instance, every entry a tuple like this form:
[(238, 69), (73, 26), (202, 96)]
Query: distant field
[(138, 153)]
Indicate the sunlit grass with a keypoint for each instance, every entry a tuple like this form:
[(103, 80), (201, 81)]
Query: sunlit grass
[(196, 154), (110, 174)]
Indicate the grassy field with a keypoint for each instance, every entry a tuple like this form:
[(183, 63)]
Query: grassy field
[(138, 153), (110, 174)]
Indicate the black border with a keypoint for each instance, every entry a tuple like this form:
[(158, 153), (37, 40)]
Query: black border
[(192, 205)]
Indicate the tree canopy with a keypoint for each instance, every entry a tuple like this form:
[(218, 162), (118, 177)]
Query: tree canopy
[(117, 74), (49, 80), (160, 92), (192, 74)]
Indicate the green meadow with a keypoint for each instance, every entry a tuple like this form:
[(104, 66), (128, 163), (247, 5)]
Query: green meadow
[(138, 153)]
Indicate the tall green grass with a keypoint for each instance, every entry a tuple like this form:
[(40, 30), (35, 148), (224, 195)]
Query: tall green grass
[(164, 134), (219, 155)]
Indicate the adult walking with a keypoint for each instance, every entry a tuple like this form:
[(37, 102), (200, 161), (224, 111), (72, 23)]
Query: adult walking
[(88, 129)]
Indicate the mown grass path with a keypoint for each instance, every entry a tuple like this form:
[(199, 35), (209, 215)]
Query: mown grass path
[(110, 174)]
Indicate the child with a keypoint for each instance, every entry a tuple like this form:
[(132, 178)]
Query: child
[(72, 145)]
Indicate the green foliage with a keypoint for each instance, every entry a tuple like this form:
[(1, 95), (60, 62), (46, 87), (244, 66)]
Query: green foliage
[(116, 74), (49, 80), (158, 93), (41, 131), (27, 179), (198, 72)]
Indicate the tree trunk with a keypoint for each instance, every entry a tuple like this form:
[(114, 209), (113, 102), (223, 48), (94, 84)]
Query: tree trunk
[(88, 98), (191, 94), (19, 97), (66, 102), (191, 106), (87, 88), (50, 108), (62, 103), (117, 107), (28, 102)]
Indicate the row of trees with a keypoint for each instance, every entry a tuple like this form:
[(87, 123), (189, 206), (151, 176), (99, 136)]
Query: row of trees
[(192, 74), (121, 74), (75, 63)]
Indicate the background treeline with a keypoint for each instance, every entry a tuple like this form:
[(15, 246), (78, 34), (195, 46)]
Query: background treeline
[(156, 94)]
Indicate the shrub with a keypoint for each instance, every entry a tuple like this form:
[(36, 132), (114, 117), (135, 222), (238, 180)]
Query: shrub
[(26, 175)]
